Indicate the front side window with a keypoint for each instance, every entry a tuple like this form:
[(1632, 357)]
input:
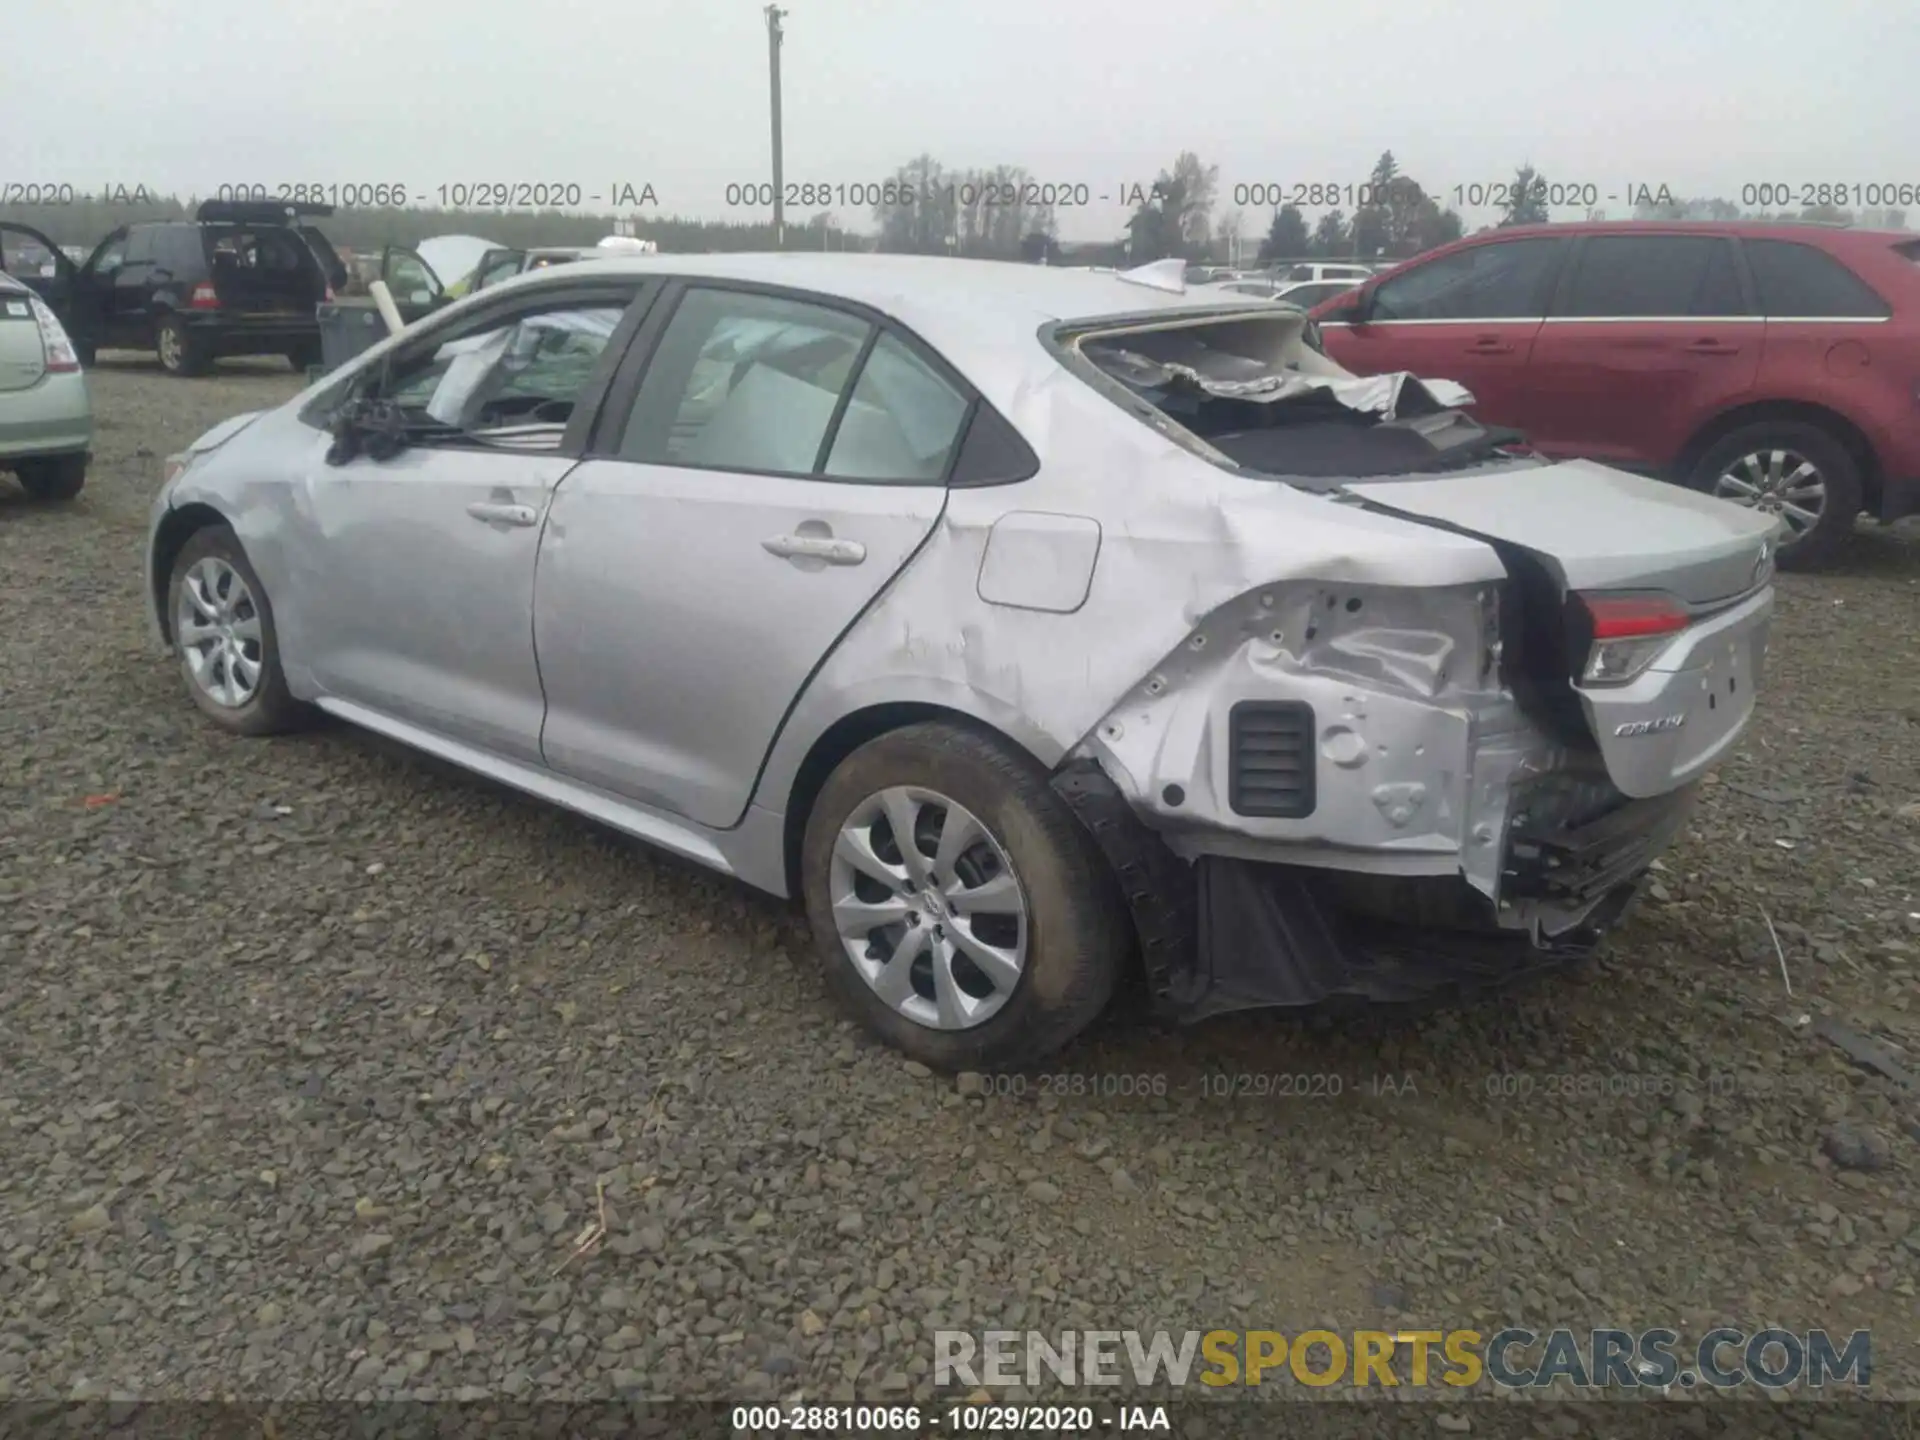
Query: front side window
[(110, 256), (1652, 277), (1799, 282), (1501, 281), (519, 378), (743, 381)]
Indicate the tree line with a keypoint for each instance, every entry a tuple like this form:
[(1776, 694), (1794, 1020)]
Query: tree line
[(994, 212)]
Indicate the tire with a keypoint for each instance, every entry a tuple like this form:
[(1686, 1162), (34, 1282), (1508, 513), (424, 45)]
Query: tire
[(1076, 938), (268, 708), (53, 477), (1744, 457), (181, 351), (304, 355), (86, 352)]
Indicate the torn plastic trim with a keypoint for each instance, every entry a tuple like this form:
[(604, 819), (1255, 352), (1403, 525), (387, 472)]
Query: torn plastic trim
[(1417, 745)]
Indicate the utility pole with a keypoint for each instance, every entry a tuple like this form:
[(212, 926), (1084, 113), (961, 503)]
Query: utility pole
[(774, 16)]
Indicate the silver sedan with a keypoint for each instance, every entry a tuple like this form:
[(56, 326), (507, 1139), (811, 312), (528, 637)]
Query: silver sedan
[(1027, 625), (46, 414)]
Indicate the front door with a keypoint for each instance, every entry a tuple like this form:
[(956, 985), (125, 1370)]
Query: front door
[(781, 462), (413, 595), (1470, 315)]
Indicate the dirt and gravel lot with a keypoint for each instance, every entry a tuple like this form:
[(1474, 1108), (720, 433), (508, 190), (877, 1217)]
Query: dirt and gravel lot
[(313, 1055)]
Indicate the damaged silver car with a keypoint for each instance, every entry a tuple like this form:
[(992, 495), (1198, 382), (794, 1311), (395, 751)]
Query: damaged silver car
[(1027, 624)]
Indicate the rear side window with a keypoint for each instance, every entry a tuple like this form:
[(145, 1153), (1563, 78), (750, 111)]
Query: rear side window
[(1799, 282), (1652, 277), (1506, 280), (900, 423), (743, 381)]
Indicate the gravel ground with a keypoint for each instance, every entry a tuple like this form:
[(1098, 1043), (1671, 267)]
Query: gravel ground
[(316, 1055)]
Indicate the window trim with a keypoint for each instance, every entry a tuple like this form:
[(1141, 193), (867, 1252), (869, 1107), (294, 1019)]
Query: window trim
[(641, 295), (1549, 284), (624, 390), (1741, 279)]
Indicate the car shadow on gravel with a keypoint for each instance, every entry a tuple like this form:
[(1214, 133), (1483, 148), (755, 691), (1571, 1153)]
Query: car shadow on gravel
[(1879, 552)]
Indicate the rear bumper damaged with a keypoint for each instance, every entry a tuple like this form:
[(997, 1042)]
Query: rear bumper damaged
[(1395, 827)]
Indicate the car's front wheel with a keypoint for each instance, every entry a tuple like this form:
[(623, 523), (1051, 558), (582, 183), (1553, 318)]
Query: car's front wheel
[(53, 477), (961, 911), (1791, 469), (222, 625)]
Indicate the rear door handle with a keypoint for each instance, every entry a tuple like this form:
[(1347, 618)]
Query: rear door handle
[(496, 514), (1490, 345), (1712, 347), (815, 547)]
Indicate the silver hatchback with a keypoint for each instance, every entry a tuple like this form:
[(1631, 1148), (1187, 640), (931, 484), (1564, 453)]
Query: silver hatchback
[(1026, 624), (46, 414)]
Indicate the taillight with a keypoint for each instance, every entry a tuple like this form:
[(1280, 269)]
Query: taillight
[(62, 358), (203, 297), (1626, 633)]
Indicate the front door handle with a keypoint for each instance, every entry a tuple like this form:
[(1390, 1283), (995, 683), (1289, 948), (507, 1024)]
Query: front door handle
[(1490, 345), (815, 547), (1712, 347), (495, 514)]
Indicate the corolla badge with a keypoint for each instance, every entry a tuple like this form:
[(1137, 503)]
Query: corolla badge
[(1651, 727)]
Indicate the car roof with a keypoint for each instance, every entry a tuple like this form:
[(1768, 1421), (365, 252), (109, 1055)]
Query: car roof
[(984, 316), (1809, 231), (934, 287)]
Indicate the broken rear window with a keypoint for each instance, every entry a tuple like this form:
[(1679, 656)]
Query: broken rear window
[(1260, 395)]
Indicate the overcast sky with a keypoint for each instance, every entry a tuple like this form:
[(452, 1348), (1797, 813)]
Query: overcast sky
[(1705, 96)]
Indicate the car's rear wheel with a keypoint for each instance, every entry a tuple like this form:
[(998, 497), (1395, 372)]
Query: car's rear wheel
[(222, 625), (53, 477), (181, 352), (1791, 469), (959, 908), (304, 356)]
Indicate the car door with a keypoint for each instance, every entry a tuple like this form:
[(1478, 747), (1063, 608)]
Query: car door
[(413, 589), (416, 290), (129, 302), (781, 458), (1646, 337), (1470, 314), (39, 264)]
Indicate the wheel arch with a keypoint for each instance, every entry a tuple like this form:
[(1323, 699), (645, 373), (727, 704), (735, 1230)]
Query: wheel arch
[(1846, 432), (856, 728), (169, 539)]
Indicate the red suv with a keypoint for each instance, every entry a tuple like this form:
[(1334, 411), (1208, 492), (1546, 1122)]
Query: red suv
[(1774, 365)]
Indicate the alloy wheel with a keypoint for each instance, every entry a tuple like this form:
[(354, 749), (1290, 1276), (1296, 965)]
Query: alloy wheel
[(219, 631), (172, 349), (1777, 482), (928, 908)]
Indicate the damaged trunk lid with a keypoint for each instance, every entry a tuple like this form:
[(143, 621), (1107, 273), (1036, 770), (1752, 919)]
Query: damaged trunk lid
[(1592, 527), (1636, 614)]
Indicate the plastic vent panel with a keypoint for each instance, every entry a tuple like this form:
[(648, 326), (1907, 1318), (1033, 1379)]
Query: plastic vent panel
[(1270, 759)]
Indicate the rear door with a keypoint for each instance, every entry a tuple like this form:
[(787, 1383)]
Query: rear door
[(1647, 336), (768, 462), (1470, 315)]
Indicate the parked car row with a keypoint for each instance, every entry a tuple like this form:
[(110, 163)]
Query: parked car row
[(1774, 366), (1028, 624), (241, 278)]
